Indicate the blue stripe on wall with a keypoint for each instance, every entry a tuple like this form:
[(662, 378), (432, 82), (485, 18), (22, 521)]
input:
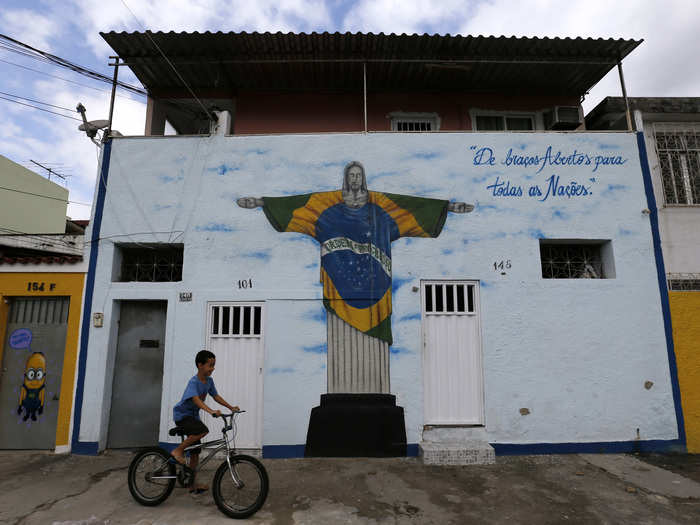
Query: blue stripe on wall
[(663, 288), (283, 451), (606, 447), (90, 447), (297, 451)]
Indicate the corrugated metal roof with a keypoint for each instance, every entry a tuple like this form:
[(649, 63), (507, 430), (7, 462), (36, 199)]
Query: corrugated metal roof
[(334, 61), (611, 112)]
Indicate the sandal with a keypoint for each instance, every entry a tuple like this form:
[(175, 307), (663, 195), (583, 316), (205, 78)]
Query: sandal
[(199, 490)]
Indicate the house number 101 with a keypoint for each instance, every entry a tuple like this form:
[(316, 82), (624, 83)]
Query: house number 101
[(245, 283)]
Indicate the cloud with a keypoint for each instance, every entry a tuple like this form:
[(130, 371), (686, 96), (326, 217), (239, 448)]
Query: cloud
[(396, 16), (30, 27), (201, 15), (664, 56)]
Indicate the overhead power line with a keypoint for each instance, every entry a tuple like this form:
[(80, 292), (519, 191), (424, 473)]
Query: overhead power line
[(36, 101), (54, 76), (211, 117), (42, 109), (70, 65), (45, 196)]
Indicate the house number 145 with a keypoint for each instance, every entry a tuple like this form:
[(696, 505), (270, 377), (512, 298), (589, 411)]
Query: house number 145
[(501, 265)]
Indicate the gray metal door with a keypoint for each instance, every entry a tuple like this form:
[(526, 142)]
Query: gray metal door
[(30, 378), (138, 375)]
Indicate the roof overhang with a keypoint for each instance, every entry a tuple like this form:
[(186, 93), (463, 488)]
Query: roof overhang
[(220, 63)]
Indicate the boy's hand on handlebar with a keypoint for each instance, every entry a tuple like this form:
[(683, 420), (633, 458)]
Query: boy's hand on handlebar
[(235, 408), (216, 413)]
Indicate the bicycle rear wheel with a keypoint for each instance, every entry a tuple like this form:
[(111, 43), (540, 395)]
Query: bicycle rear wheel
[(145, 482), (240, 501)]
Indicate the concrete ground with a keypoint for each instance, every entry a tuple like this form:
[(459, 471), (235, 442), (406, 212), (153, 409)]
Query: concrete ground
[(39, 488)]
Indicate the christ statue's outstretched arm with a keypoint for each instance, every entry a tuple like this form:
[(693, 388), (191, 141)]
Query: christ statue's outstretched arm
[(258, 202), (460, 207), (250, 202)]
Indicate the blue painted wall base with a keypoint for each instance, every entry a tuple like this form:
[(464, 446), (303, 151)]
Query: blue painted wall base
[(605, 447), (85, 448)]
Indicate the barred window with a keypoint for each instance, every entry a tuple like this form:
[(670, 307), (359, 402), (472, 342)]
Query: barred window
[(685, 282), (411, 122), (576, 260), (150, 262), (413, 125), (678, 151)]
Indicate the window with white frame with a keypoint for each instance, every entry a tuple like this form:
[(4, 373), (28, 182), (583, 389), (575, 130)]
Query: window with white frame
[(503, 122), (678, 151), (408, 122)]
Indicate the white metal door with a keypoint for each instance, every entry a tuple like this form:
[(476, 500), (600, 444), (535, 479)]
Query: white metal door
[(235, 335), (452, 367)]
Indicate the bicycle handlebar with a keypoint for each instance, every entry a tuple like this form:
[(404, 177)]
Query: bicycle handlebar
[(229, 415)]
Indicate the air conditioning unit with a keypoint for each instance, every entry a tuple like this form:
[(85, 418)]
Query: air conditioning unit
[(222, 126), (563, 117)]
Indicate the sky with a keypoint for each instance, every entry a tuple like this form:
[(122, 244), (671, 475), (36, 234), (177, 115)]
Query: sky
[(665, 64)]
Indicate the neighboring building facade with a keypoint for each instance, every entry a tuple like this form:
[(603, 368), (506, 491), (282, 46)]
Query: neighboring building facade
[(518, 324), (29, 203), (42, 273), (671, 128)]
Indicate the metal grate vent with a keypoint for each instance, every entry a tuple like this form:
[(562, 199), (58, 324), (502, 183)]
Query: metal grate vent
[(448, 298), (39, 310), (236, 320)]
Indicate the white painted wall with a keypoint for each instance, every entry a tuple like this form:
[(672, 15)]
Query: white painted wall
[(576, 353)]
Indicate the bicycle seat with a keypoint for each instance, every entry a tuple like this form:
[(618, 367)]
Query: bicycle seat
[(177, 431)]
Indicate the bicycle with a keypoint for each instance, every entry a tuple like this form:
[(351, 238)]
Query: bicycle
[(239, 487)]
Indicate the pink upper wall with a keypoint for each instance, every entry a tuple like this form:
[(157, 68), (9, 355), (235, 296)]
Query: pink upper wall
[(337, 112)]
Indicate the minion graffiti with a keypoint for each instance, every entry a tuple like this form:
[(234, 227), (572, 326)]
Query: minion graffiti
[(32, 391)]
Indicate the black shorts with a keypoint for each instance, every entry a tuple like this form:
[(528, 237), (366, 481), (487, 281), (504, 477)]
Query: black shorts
[(192, 426)]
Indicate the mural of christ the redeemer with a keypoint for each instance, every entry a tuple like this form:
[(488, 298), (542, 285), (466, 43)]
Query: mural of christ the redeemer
[(355, 228)]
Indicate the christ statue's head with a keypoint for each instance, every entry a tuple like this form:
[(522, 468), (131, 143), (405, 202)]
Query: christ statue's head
[(354, 185)]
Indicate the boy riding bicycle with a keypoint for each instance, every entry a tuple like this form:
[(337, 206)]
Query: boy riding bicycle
[(186, 412)]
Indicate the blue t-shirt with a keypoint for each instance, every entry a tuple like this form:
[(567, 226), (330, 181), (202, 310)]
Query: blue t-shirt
[(195, 387)]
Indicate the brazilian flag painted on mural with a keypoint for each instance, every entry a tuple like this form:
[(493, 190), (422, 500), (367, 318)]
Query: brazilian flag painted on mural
[(356, 247)]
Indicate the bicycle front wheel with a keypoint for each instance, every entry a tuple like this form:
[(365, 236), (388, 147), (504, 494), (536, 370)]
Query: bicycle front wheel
[(240, 491), (151, 476)]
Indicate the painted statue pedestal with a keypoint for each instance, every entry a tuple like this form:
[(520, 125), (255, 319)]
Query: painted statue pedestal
[(356, 425)]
